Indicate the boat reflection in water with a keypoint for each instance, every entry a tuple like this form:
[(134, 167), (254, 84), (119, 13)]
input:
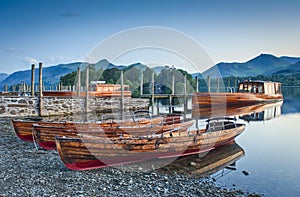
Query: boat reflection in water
[(222, 159), (249, 113), (266, 112)]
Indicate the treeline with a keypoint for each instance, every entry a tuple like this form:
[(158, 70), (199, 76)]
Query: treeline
[(286, 80), (132, 77), (163, 80)]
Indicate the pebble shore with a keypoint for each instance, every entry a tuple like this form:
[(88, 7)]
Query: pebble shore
[(26, 171)]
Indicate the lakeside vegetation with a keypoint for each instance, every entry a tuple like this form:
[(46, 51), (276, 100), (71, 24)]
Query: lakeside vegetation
[(163, 79), (132, 77)]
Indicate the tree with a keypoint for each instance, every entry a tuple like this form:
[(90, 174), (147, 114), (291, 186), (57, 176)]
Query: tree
[(111, 75)]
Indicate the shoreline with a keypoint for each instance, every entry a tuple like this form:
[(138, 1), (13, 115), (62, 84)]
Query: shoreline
[(26, 171)]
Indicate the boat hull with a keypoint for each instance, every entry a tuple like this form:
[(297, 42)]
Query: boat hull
[(24, 128), (85, 152), (233, 99), (45, 135)]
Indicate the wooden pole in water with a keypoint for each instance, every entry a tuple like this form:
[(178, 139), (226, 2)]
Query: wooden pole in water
[(32, 79), (87, 89), (208, 83), (141, 85), (24, 89), (152, 97), (197, 84), (122, 94), (185, 98), (218, 84), (40, 89), (228, 84), (235, 88), (173, 85)]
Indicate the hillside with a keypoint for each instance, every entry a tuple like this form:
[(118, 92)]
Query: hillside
[(290, 70), (263, 64), (51, 74), (3, 76)]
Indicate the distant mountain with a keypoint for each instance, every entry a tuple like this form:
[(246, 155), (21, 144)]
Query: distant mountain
[(3, 76), (139, 66), (157, 69), (51, 74), (264, 64), (292, 60), (104, 64), (290, 70)]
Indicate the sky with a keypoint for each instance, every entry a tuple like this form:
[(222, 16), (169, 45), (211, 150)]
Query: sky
[(64, 31)]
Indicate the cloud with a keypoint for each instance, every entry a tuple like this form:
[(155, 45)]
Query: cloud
[(14, 50), (69, 14), (30, 60)]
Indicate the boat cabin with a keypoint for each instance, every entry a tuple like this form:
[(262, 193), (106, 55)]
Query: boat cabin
[(101, 86), (260, 87)]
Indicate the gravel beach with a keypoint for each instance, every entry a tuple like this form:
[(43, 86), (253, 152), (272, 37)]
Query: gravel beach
[(26, 171)]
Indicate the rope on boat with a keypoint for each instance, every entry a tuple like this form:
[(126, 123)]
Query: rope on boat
[(33, 138), (195, 140), (156, 144)]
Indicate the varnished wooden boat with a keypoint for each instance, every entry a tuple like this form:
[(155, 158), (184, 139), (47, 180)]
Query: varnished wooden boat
[(82, 94), (24, 128), (249, 93), (89, 152), (98, 89), (45, 135)]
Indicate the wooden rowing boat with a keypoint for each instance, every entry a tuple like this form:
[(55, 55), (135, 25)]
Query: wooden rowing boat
[(89, 152), (249, 93), (45, 135), (24, 128)]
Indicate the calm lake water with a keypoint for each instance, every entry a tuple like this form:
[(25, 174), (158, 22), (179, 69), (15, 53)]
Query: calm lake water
[(272, 156)]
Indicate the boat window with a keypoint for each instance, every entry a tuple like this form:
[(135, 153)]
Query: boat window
[(241, 87), (260, 89), (277, 88)]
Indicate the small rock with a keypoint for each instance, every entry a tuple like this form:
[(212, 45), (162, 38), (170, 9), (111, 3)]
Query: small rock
[(245, 172)]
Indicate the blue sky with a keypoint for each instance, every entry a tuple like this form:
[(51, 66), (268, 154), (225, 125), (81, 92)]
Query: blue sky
[(62, 31)]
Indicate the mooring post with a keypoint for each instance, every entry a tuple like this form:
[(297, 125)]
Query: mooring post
[(141, 85), (173, 85), (122, 95), (235, 88), (197, 84), (40, 89), (87, 89), (152, 97), (170, 104), (78, 81), (32, 79), (218, 84), (228, 84), (171, 108), (24, 89), (208, 83), (185, 98)]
